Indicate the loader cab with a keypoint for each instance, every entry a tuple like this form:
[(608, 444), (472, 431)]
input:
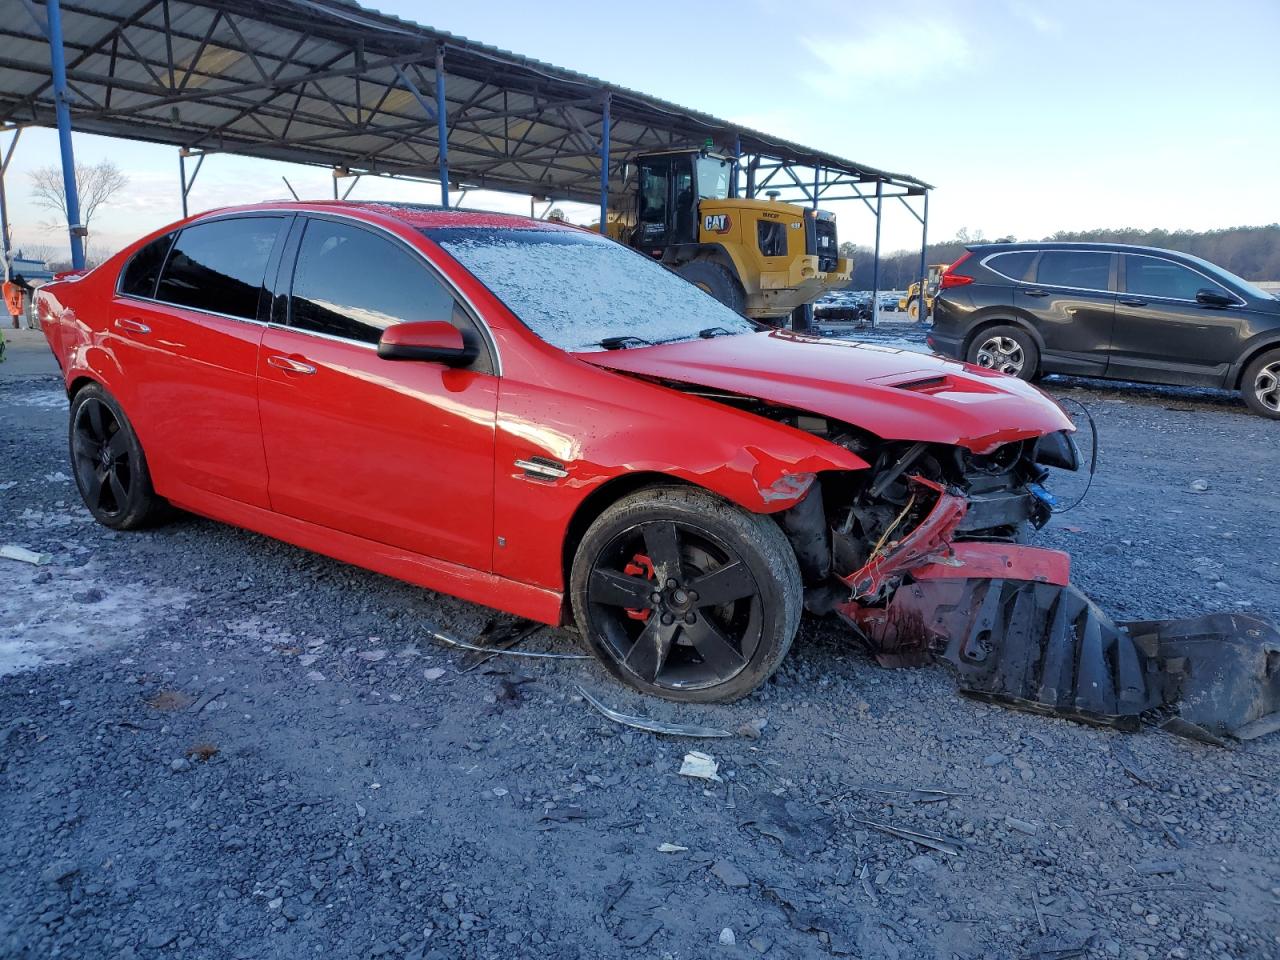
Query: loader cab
[(671, 186)]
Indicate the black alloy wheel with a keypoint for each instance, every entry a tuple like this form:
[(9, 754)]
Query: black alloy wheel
[(685, 596), (108, 463)]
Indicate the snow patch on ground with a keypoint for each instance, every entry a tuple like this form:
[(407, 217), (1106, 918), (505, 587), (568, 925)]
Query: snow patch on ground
[(41, 399), (56, 614)]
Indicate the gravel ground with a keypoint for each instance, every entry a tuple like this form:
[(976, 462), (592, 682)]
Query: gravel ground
[(215, 745)]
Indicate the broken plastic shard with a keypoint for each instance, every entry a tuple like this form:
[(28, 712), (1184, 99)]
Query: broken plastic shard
[(12, 551), (671, 848), (654, 726), (701, 766)]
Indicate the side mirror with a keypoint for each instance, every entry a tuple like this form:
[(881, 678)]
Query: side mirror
[(1212, 298), (432, 340)]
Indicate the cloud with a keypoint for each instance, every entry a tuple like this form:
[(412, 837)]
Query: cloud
[(1036, 17), (897, 52)]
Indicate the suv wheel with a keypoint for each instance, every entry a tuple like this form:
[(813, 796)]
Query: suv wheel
[(1007, 349), (1261, 385), (682, 595)]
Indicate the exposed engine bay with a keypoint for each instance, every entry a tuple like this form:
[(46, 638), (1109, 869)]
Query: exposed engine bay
[(923, 556)]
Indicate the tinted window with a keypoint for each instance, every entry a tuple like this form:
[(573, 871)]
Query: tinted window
[(219, 266), (1151, 277), (143, 270), (1070, 268), (354, 284), (1012, 265)]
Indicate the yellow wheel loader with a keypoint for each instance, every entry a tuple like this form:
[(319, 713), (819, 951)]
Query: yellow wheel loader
[(911, 302), (762, 258)]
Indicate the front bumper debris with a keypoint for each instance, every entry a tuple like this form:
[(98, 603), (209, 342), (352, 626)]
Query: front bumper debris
[(1013, 630)]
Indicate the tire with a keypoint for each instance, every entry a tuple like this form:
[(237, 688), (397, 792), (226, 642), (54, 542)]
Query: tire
[(701, 652), (913, 309), (1261, 384), (1007, 349), (717, 280), (108, 463)]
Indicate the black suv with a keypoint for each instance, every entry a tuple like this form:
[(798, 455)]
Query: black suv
[(1110, 310)]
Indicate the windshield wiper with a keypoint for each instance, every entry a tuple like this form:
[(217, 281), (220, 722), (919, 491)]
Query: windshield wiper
[(620, 342), (710, 332)]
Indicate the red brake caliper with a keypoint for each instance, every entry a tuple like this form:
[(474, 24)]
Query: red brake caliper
[(640, 566)]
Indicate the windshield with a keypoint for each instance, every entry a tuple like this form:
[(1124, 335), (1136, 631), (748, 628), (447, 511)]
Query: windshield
[(713, 178), (1244, 285), (580, 291)]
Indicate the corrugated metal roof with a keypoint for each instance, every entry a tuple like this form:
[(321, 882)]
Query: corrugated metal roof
[(319, 82)]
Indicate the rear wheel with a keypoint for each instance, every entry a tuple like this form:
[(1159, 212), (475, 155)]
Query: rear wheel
[(715, 279), (1261, 385), (1007, 349), (109, 465), (685, 596)]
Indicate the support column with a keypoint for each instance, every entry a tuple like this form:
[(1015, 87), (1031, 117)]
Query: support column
[(924, 266), (604, 164), (4, 217), (875, 265), (737, 164), (182, 180), (58, 64), (442, 128)]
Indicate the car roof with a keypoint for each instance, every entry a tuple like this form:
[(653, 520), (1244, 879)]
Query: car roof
[(984, 248), (418, 215)]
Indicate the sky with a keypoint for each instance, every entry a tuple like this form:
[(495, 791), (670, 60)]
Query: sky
[(1027, 117)]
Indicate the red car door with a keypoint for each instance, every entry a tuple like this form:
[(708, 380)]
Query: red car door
[(186, 338), (399, 452)]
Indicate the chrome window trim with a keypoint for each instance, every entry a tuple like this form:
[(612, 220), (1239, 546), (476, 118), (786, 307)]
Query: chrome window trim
[(1055, 286), (179, 306), (323, 336), (448, 284), (1155, 296), (1005, 253)]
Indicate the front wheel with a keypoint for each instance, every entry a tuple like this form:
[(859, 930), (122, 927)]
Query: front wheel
[(109, 465), (717, 280), (1261, 385), (913, 308), (1007, 349), (682, 595)]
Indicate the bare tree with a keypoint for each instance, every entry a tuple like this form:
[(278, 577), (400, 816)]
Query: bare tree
[(96, 184)]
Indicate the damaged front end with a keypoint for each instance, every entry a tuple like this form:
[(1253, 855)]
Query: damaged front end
[(921, 558)]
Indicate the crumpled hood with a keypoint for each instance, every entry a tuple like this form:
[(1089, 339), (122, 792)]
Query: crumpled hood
[(895, 394)]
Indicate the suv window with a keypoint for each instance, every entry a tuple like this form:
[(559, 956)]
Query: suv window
[(1153, 277), (353, 284), (1074, 268), (143, 269), (218, 266), (1012, 265)]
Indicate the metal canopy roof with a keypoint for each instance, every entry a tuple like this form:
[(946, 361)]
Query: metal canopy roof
[(329, 82)]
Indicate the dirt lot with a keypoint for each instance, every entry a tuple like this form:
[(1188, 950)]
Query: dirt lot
[(214, 745)]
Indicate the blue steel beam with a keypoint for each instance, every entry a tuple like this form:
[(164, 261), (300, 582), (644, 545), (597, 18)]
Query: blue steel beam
[(604, 164), (442, 128), (58, 63)]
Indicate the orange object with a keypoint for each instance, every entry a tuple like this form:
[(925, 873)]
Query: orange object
[(13, 298)]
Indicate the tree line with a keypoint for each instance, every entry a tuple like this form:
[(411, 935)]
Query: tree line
[(1249, 252)]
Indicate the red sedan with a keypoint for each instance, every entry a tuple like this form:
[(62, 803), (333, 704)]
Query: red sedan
[(535, 418)]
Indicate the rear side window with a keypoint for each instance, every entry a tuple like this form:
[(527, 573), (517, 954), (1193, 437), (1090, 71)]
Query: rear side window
[(772, 237), (353, 284), (1012, 265), (219, 266), (143, 269), (1071, 268), (1153, 277)]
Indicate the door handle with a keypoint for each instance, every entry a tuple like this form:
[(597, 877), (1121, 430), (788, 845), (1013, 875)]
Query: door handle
[(1036, 293), (132, 326), (289, 365), (1132, 302)]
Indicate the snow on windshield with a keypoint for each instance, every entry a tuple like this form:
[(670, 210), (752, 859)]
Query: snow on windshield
[(575, 289)]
